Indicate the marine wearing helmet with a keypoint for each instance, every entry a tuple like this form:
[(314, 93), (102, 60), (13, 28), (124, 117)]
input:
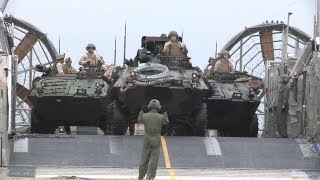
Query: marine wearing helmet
[(153, 122), (224, 65), (67, 68), (174, 47), (59, 63), (91, 59)]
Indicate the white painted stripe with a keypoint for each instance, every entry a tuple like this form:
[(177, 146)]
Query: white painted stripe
[(116, 144), (212, 146), (185, 174)]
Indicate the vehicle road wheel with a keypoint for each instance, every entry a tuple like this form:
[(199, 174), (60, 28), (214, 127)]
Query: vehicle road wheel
[(253, 126), (117, 120), (200, 122), (37, 126), (35, 122)]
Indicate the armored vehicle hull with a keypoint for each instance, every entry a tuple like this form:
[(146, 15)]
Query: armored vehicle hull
[(175, 91), (232, 106), (67, 100), (172, 80)]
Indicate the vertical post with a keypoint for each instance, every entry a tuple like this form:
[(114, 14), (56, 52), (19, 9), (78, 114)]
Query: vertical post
[(115, 51), (296, 50), (182, 34), (4, 149), (317, 25), (59, 44), (31, 69), (317, 28), (285, 40), (9, 86), (241, 54), (124, 43), (12, 92), (216, 53), (266, 127), (4, 71)]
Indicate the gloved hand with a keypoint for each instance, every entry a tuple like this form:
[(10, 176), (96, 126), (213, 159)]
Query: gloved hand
[(87, 61), (163, 110), (144, 108)]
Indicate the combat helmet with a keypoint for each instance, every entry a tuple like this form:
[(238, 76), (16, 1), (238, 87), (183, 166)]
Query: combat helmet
[(173, 33), (60, 56), (225, 52), (68, 60), (91, 45), (284, 78), (154, 104)]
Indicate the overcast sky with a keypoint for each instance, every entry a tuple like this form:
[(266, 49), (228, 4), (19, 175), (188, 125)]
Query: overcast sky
[(79, 22)]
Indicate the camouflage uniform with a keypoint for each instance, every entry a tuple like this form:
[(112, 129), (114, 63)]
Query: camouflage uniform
[(91, 59), (108, 68), (224, 65), (208, 70), (67, 68), (59, 65), (283, 106), (174, 48), (153, 122)]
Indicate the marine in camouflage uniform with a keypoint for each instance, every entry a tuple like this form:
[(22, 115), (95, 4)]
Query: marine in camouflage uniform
[(283, 106), (208, 67), (153, 122), (91, 59), (108, 70), (67, 68), (174, 47), (59, 63), (224, 65)]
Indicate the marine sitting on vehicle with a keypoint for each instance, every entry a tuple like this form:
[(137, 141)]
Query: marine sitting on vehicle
[(59, 63), (67, 67), (208, 70), (174, 47), (224, 65), (91, 59)]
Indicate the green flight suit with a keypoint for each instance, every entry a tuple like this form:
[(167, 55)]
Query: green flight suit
[(153, 122)]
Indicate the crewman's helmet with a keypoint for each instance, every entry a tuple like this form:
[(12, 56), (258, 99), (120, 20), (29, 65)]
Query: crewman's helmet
[(60, 56), (91, 46), (173, 33), (225, 52), (68, 60), (284, 78), (154, 104)]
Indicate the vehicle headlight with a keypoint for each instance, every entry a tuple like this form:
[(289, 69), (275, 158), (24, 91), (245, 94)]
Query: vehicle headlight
[(237, 95), (177, 82), (130, 84), (132, 73)]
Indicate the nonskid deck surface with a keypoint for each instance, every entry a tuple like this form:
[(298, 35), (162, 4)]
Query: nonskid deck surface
[(184, 157)]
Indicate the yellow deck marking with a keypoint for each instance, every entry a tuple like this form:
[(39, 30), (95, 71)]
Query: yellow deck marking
[(167, 158)]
